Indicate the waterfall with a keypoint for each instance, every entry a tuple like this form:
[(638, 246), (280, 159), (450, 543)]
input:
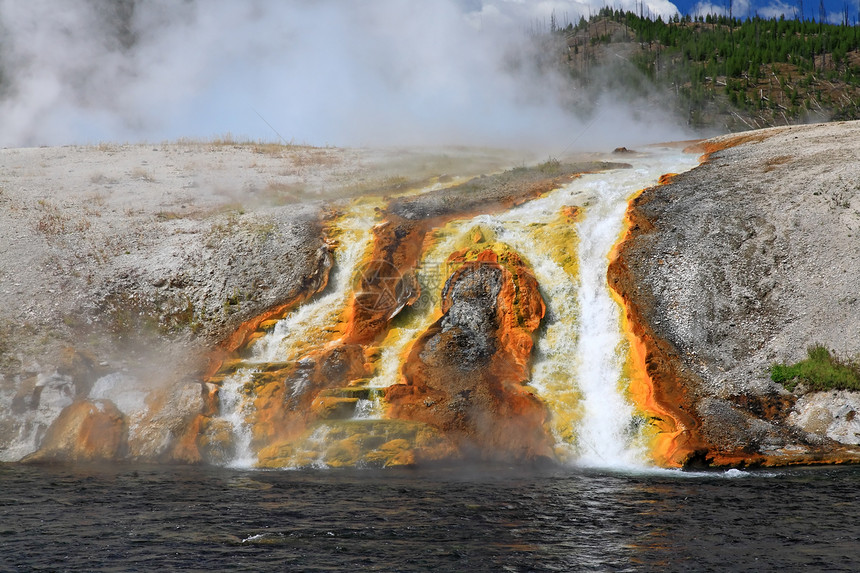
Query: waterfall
[(303, 328), (566, 237), (580, 355), (605, 438)]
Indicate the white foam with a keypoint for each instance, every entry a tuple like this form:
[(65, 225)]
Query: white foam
[(583, 334)]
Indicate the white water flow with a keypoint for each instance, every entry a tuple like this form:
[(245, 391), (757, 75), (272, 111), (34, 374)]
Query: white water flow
[(302, 329), (606, 433), (235, 409), (305, 327), (408, 326), (580, 355)]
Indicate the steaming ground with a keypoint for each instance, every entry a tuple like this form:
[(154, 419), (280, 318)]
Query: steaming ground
[(386, 72)]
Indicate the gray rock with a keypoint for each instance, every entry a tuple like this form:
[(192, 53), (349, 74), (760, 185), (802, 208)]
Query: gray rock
[(834, 414), (471, 321), (754, 256)]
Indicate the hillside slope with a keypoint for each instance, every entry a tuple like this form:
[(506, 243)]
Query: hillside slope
[(744, 262), (718, 73)]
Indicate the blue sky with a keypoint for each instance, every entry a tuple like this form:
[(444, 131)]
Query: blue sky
[(768, 8)]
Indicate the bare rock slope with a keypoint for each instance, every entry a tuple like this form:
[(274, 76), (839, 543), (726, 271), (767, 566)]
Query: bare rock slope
[(748, 260)]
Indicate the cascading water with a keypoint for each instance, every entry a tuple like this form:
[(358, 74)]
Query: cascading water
[(301, 329), (578, 371), (235, 411), (580, 355)]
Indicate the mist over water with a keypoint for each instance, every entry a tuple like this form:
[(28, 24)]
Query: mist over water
[(387, 72)]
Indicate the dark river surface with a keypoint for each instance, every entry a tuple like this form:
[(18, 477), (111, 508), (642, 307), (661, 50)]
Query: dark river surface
[(167, 518)]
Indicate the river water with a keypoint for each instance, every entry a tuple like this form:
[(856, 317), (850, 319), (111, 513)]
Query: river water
[(159, 518)]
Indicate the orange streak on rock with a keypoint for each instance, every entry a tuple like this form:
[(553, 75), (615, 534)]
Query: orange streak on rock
[(709, 147), (654, 384), (521, 311), (387, 281), (666, 447), (572, 214), (666, 178), (186, 449), (84, 431)]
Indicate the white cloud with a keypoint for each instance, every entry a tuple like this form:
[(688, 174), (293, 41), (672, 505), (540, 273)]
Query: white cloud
[(746, 9), (776, 9)]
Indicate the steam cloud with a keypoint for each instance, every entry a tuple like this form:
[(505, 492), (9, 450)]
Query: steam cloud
[(324, 72)]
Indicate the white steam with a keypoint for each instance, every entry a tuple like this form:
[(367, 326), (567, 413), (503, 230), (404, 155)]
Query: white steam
[(324, 72)]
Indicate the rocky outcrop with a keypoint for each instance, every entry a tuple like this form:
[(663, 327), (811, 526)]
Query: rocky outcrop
[(465, 374), (85, 431), (829, 415), (745, 261)]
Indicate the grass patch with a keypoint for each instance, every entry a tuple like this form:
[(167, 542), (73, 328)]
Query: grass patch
[(276, 149), (169, 215), (551, 166), (53, 221), (820, 371), (142, 174)]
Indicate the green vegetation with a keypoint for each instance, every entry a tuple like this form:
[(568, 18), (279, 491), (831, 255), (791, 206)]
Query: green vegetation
[(820, 371), (550, 166), (728, 72)]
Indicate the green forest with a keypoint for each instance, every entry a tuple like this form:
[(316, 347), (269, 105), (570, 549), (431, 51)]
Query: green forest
[(725, 72)]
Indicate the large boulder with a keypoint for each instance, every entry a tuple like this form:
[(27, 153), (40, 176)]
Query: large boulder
[(466, 374)]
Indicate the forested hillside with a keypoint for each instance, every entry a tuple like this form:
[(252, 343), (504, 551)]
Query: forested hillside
[(720, 72)]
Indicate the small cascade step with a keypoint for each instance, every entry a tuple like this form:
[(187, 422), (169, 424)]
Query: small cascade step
[(268, 325), (357, 443), (333, 407), (270, 366), (263, 329), (341, 403), (230, 367), (270, 372), (357, 392)]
